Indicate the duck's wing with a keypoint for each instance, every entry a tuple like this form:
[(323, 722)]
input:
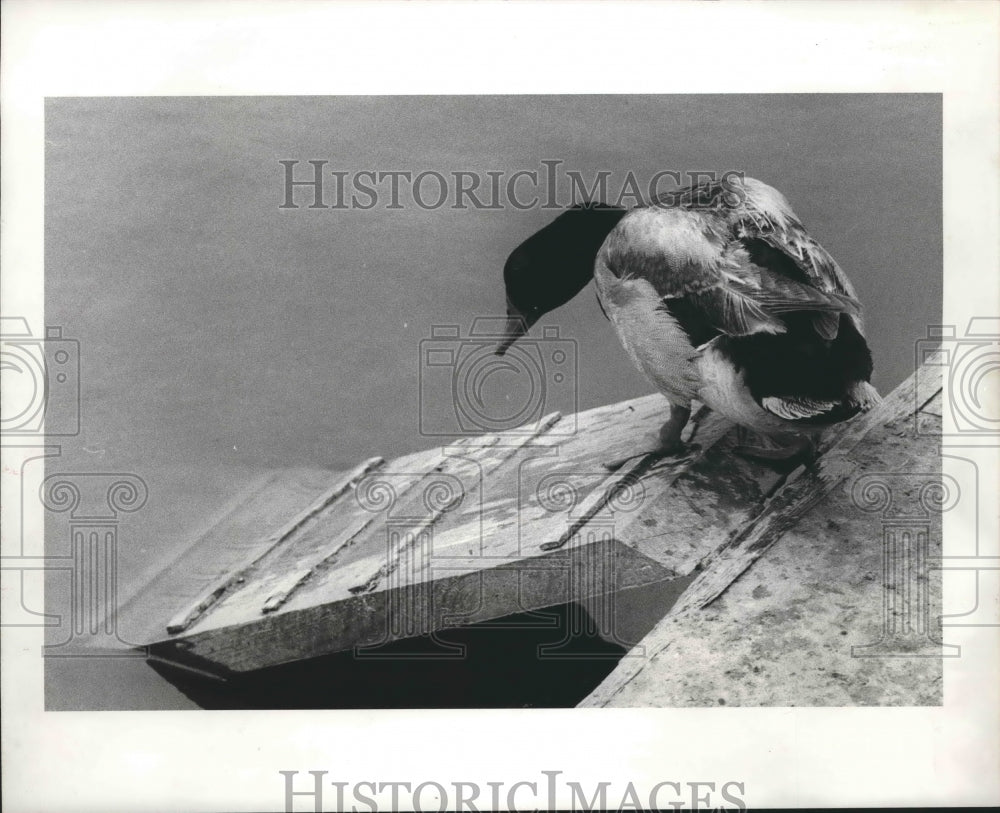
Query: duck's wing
[(767, 281), (766, 215), (796, 272), (707, 278), (681, 259)]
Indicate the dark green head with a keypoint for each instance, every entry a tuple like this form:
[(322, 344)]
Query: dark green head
[(553, 265)]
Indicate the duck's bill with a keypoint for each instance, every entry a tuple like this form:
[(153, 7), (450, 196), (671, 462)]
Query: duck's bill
[(515, 328)]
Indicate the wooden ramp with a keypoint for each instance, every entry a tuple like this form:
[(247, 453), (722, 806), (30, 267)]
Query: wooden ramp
[(831, 595), (487, 527)]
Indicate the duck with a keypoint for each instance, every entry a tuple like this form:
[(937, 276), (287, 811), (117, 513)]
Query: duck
[(718, 295)]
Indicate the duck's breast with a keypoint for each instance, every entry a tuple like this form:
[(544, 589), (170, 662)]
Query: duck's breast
[(654, 340)]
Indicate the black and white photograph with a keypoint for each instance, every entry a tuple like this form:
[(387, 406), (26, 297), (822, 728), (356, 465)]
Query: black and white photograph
[(375, 408), (483, 386)]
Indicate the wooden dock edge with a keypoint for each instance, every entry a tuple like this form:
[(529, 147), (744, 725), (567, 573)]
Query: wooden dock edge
[(802, 491)]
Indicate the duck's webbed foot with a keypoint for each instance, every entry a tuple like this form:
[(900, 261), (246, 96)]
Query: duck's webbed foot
[(785, 454), (669, 436)]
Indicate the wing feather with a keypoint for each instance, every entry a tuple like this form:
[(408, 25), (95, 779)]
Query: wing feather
[(758, 212), (732, 255), (783, 295), (767, 216), (735, 313), (797, 409)]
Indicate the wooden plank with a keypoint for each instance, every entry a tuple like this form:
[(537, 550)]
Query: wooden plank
[(685, 506), (806, 626), (935, 406), (315, 568), (484, 543), (488, 523), (238, 534), (623, 483), (370, 619), (472, 459), (513, 503), (804, 490), (540, 501), (188, 615), (798, 495), (695, 512), (885, 439), (341, 534)]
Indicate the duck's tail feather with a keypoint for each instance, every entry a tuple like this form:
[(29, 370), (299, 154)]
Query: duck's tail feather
[(864, 396), (860, 397), (798, 409)]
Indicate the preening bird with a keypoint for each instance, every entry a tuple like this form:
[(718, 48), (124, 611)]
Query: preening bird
[(718, 294)]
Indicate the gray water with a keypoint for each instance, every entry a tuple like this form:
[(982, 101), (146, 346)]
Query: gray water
[(224, 338)]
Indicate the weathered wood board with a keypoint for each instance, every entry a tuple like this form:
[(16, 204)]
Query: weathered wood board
[(827, 597), (240, 534), (486, 527)]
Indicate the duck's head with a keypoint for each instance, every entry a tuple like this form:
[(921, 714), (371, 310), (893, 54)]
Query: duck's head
[(553, 265)]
